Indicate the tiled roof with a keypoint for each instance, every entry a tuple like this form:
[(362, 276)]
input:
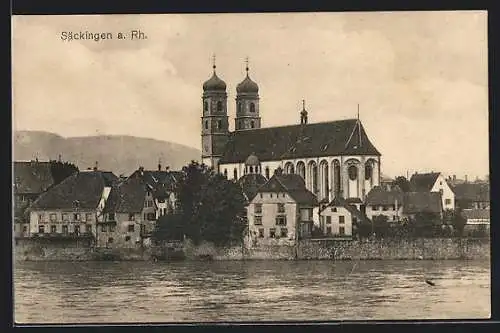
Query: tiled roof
[(127, 197), (351, 201), (250, 183), (292, 184), (167, 179), (340, 202), (32, 177), (422, 202), (472, 192), (293, 141), (379, 196), (476, 214), (423, 182), (84, 187)]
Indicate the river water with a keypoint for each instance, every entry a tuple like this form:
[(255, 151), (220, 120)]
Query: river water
[(129, 292)]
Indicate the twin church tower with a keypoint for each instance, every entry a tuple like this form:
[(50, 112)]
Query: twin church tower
[(215, 123)]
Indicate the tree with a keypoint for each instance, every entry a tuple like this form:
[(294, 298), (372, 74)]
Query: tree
[(380, 225), (61, 170), (426, 224), (458, 222), (212, 207), (403, 183), (169, 227)]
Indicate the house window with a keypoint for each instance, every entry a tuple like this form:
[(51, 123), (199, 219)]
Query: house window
[(219, 106), (252, 124), (334, 209), (328, 230), (342, 230), (41, 229), (77, 229), (25, 229), (235, 174), (40, 218), (258, 220), (374, 207), (328, 220), (53, 217), (281, 208), (131, 228), (261, 196), (127, 238), (112, 228), (53, 229), (104, 228), (384, 207), (88, 217), (88, 228), (65, 229), (258, 208), (110, 240), (151, 216), (284, 232), (131, 217), (76, 217), (65, 217), (111, 216), (447, 201), (261, 233), (272, 233), (341, 219), (280, 220)]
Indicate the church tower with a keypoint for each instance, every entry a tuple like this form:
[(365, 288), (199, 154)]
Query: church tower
[(247, 104), (214, 122)]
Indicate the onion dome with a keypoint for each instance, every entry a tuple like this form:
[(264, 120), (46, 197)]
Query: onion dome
[(247, 85), (214, 83), (252, 160)]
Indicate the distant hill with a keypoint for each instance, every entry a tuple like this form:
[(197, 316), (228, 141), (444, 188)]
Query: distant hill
[(118, 153)]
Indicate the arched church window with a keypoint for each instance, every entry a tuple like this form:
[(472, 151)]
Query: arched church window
[(219, 124), (267, 172), (239, 107), (225, 173), (252, 107), (353, 172), (206, 124), (219, 106), (251, 169), (368, 172), (205, 106), (252, 124), (235, 173)]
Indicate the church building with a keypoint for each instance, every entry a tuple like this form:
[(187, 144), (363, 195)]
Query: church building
[(335, 158)]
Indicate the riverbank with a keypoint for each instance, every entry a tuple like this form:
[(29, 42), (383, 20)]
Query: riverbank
[(389, 249)]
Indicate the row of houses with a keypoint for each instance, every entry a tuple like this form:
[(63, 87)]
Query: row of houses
[(280, 209)]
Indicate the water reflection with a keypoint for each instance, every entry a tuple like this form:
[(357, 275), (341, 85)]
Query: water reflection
[(251, 290)]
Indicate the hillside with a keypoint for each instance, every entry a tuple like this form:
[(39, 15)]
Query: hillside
[(117, 153)]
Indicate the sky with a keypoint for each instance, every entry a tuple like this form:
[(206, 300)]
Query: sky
[(420, 78)]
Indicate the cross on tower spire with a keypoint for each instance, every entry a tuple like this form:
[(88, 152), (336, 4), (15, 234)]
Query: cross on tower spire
[(213, 62), (303, 104), (246, 62)]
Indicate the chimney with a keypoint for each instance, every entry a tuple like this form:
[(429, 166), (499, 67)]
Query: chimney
[(159, 166), (96, 166), (167, 168), (141, 171)]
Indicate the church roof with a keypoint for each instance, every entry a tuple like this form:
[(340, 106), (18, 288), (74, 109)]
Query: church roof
[(214, 84), (423, 182), (301, 140), (247, 86)]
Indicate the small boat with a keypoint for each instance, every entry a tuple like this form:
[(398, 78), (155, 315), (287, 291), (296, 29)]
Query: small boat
[(429, 282)]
